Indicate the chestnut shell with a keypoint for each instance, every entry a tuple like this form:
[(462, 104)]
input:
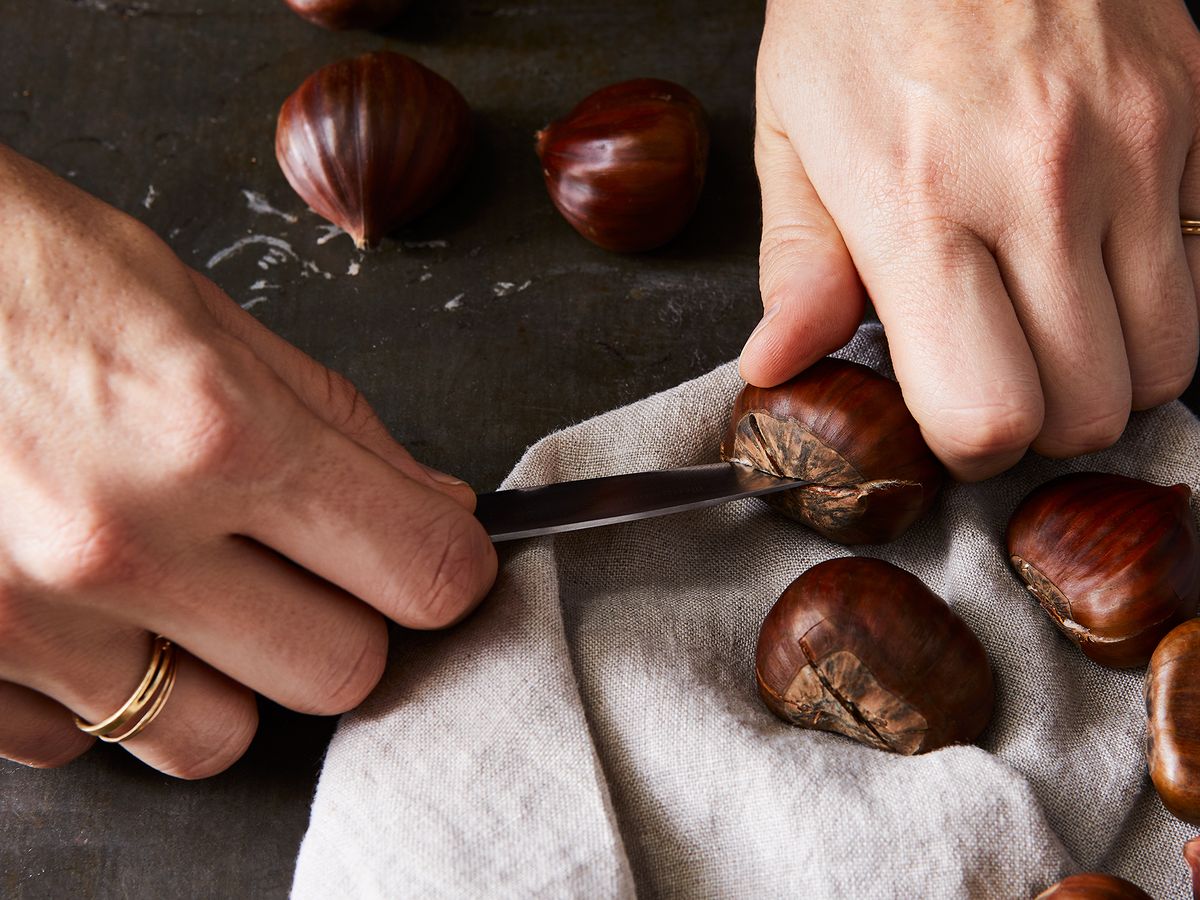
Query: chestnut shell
[(1094, 886), (1191, 855), (1173, 721), (1114, 561), (626, 166), (861, 647), (372, 142), (339, 14), (846, 427)]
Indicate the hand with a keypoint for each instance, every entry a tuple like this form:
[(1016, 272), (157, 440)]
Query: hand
[(169, 466), (1005, 180)]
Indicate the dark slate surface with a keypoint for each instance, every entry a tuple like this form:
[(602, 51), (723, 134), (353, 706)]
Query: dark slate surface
[(473, 332)]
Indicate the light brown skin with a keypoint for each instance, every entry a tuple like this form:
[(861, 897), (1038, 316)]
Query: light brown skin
[(863, 648), (1173, 721), (1005, 181), (171, 466), (846, 427), (1114, 561)]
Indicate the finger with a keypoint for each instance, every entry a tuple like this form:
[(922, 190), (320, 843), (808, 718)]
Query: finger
[(1189, 207), (1065, 303), (1152, 286), (959, 353), (812, 296), (343, 513), (327, 394), (92, 666), (36, 731), (269, 625)]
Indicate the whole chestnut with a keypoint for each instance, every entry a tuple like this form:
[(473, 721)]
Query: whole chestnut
[(863, 648), (370, 143), (1093, 886), (1115, 561), (625, 167), (338, 14), (845, 427), (1173, 721)]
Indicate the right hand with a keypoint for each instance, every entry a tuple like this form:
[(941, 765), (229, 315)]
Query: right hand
[(169, 466)]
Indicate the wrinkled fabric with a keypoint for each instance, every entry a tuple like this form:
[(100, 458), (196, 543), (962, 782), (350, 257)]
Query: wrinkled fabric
[(594, 730)]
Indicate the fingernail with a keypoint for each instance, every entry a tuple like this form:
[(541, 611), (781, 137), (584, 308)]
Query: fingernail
[(772, 311), (442, 477)]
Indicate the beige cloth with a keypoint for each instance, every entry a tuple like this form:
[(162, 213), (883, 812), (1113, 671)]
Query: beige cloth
[(593, 730)]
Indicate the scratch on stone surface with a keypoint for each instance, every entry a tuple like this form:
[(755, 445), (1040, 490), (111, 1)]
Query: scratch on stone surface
[(505, 288), (253, 301), (259, 204), (454, 302), (354, 268), (124, 10), (151, 196), (331, 231), (262, 285)]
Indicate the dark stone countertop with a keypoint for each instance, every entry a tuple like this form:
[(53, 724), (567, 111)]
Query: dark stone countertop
[(473, 332)]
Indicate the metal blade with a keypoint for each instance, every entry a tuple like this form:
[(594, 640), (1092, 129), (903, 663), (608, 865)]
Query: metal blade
[(571, 505)]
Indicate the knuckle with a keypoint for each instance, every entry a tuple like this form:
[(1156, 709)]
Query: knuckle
[(212, 754), (1152, 117), (92, 549), (978, 434), (341, 687), (1162, 387), (346, 406), (457, 566), (1085, 434)]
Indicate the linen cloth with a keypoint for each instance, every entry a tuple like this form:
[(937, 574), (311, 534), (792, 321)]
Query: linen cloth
[(593, 730)]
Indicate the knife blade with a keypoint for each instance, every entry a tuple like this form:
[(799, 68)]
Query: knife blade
[(592, 502)]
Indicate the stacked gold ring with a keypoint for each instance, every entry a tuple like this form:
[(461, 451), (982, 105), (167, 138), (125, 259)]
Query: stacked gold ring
[(146, 703), (1190, 226)]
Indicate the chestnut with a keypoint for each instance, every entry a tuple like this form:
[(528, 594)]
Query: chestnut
[(1093, 886), (846, 427), (370, 143), (625, 167), (1173, 721), (1191, 854), (863, 648), (1115, 561), (338, 14)]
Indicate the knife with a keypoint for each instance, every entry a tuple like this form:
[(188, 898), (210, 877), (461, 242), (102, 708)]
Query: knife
[(591, 502)]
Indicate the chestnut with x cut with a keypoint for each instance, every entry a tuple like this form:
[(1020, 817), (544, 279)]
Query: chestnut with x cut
[(846, 427), (863, 648)]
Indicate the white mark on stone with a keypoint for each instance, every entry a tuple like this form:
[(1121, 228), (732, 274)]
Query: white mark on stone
[(253, 301), (354, 268), (151, 196), (277, 248), (425, 245), (262, 285), (259, 204), (454, 303), (425, 276), (504, 288), (331, 231)]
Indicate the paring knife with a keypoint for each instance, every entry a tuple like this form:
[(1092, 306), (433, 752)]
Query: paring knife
[(591, 502)]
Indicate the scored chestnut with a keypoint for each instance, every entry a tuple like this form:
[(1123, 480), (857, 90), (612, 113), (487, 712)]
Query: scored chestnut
[(1114, 561), (1093, 886), (625, 167), (846, 427), (1173, 721), (338, 14), (863, 648), (372, 142)]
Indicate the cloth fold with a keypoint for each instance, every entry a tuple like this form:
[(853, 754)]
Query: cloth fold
[(593, 730)]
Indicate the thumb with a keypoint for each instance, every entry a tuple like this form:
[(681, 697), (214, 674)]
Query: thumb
[(812, 296)]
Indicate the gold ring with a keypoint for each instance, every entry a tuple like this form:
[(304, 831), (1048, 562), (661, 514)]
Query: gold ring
[(145, 704), (1190, 226)]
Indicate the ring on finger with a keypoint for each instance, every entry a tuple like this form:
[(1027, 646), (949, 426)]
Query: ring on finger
[(146, 702), (1190, 226)]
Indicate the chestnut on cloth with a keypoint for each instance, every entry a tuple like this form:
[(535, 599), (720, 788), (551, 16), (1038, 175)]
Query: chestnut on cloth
[(593, 730)]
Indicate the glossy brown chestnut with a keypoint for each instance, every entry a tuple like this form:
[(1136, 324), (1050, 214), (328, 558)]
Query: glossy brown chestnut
[(863, 648), (338, 14), (845, 427), (370, 143), (1114, 561), (1093, 886), (1191, 855), (1173, 721), (625, 166)]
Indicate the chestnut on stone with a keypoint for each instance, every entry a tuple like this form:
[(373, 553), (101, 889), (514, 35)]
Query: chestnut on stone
[(863, 648), (846, 427), (337, 14), (372, 142), (1114, 561), (1094, 886), (1173, 721)]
